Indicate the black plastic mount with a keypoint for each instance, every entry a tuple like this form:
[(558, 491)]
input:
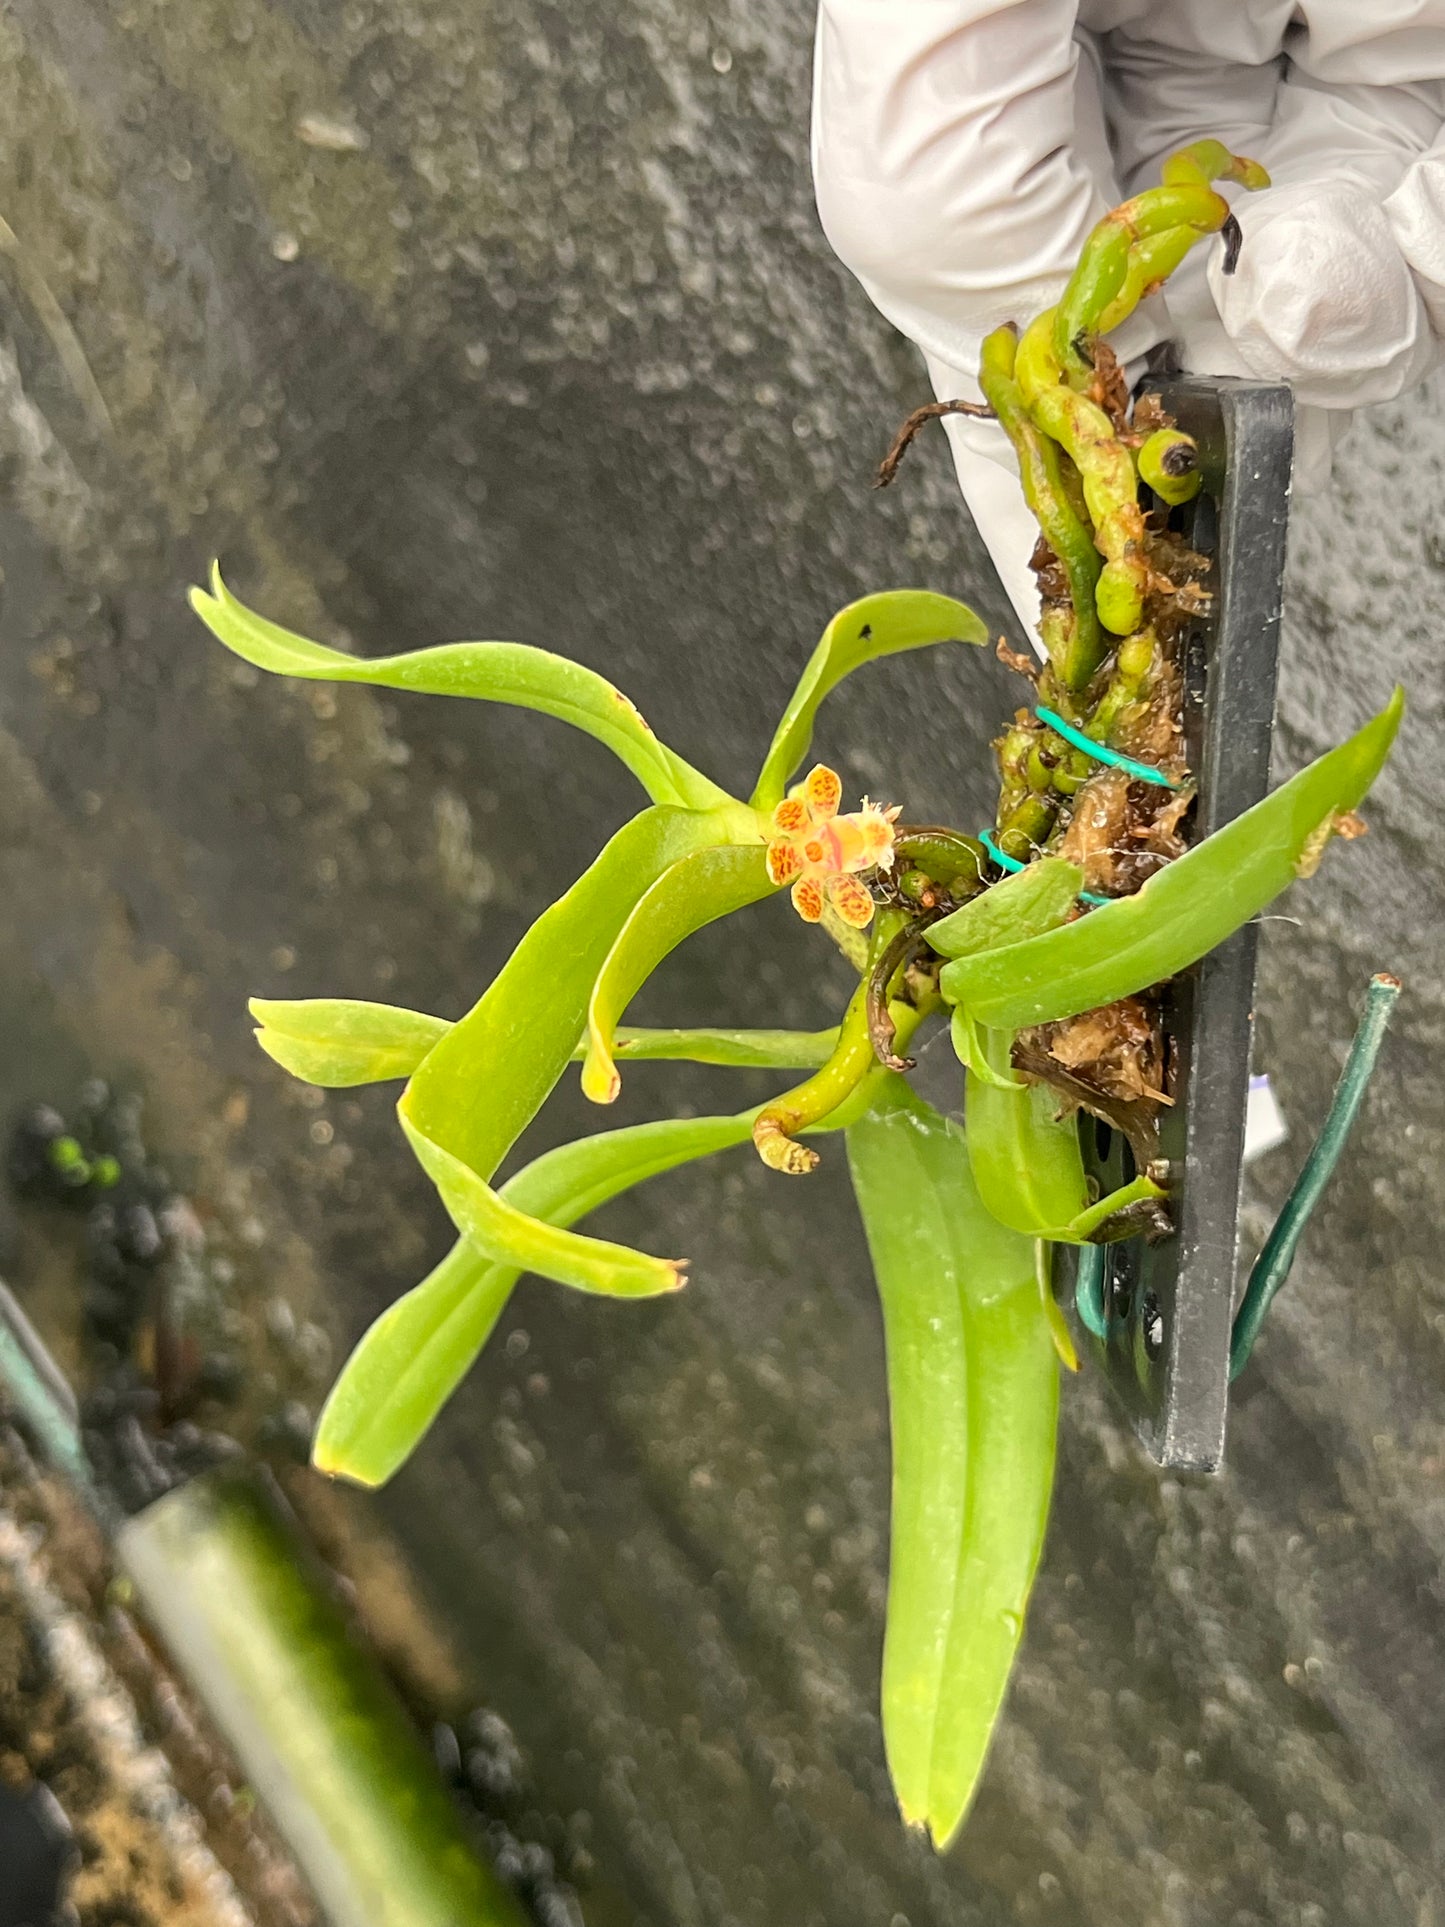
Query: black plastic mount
[(1169, 1306)]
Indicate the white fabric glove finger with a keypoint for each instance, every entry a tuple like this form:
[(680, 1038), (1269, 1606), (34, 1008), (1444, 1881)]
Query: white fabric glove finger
[(960, 158), (1322, 295), (944, 160), (1387, 43), (1343, 43), (1416, 213)]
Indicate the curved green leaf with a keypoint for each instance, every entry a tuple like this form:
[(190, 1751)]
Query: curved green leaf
[(973, 1409), (499, 672), (1024, 1157), (1024, 1154), (968, 1048), (1036, 900), (512, 1236), (878, 625), (696, 891), (411, 1360), (407, 1365), (338, 1041), (1182, 912), (477, 1090)]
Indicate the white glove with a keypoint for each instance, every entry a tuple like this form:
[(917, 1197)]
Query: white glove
[(962, 150)]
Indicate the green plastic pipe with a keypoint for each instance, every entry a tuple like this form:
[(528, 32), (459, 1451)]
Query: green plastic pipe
[(250, 1619), (1273, 1266)]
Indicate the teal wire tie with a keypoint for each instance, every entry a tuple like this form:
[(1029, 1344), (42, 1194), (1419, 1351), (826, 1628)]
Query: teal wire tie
[(1115, 759), (1012, 864), (1089, 1272), (1272, 1267)]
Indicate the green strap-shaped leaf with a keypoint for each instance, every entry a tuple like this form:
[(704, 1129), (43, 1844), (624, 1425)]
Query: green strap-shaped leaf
[(478, 1089), (412, 1359), (337, 1042), (969, 1049), (878, 625), (499, 672), (696, 891), (407, 1365), (1182, 912), (973, 1406), (1024, 1157), (1036, 900), (512, 1236)]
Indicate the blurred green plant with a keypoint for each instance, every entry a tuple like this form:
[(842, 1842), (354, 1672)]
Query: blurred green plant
[(961, 1219)]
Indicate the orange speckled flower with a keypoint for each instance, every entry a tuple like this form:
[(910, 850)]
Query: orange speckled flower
[(820, 853)]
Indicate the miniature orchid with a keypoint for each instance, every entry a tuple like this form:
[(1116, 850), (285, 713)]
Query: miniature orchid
[(961, 1219)]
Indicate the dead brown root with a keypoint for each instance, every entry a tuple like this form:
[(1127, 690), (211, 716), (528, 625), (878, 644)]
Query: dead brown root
[(1111, 1062), (1109, 389), (1016, 660), (920, 418)]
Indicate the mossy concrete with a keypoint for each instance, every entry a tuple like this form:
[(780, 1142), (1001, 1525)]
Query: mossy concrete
[(541, 340)]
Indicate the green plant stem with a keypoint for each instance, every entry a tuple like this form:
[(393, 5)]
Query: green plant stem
[(1141, 242), (778, 1123)]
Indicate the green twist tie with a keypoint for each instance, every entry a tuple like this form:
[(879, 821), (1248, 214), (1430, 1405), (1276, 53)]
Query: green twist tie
[(1101, 753), (1011, 863)]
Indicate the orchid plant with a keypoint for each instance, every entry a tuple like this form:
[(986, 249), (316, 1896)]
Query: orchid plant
[(1042, 942)]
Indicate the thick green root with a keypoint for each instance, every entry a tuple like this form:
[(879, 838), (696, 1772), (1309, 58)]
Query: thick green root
[(1077, 648), (1169, 464), (1139, 244), (1106, 468)]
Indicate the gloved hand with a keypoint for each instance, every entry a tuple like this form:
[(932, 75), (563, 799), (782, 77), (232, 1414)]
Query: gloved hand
[(962, 150)]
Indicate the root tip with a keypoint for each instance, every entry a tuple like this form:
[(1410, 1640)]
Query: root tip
[(780, 1152), (601, 1082)]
